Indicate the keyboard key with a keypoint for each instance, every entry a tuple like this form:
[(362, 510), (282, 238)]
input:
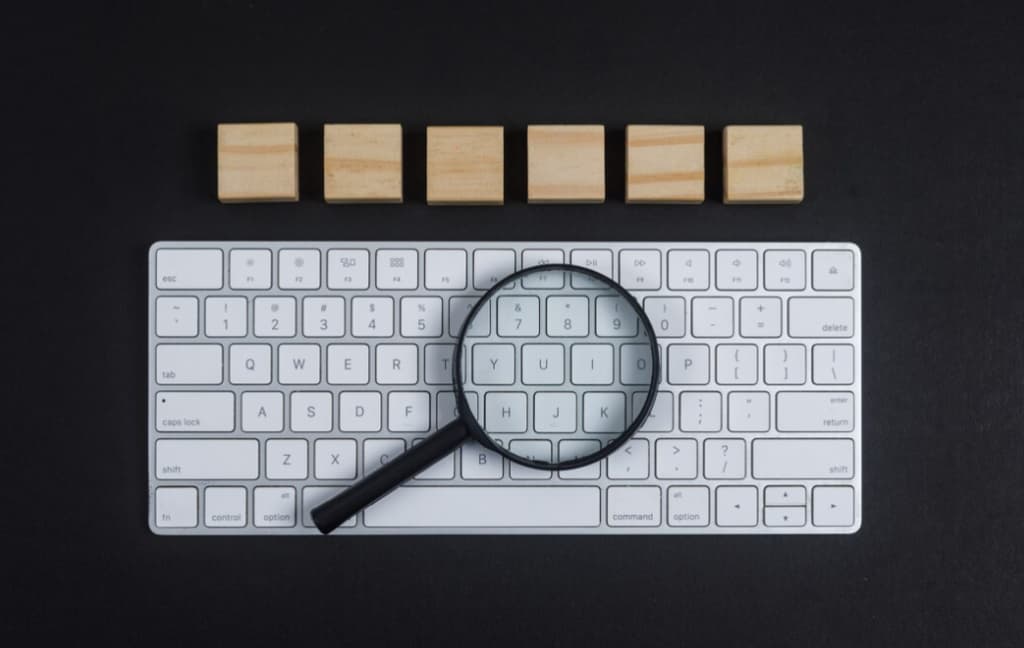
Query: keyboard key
[(688, 506), (262, 412), (568, 316), (250, 269), (833, 506), (273, 317), (534, 451), (443, 468), (334, 459), (377, 452), (397, 269), (784, 270), (832, 269), (189, 364), (359, 411), (194, 411), (554, 411), (725, 459), (250, 364), (814, 411), (314, 496), (311, 412), (571, 449), (543, 364), (224, 506), (445, 269), (448, 412), (604, 412), (543, 280), (700, 411), (676, 459), (785, 364), (599, 261), (736, 364), (459, 308), (660, 418), (177, 316), (348, 364), (736, 270), (397, 365), (487, 507), (802, 459), (207, 459), (505, 412), (634, 506), (373, 317), (480, 463), (820, 317), (785, 496), (323, 316), (491, 266), (348, 269), (494, 364), (614, 317), (409, 411), (298, 364), (298, 269), (711, 316), (749, 412), (635, 364), (226, 317), (688, 270), (421, 316), (736, 506), (760, 317), (631, 461), (189, 269), (518, 316), (833, 364), (640, 269), (592, 364), (667, 315), (273, 506), (437, 361), (286, 459), (689, 364), (785, 516), (177, 507)]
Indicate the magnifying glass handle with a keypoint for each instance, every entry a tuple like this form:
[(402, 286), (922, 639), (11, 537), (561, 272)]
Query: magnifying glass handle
[(332, 513)]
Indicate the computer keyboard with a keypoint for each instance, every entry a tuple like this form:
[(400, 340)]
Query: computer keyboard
[(280, 372)]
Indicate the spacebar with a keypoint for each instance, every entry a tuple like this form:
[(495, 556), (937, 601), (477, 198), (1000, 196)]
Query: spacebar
[(487, 506)]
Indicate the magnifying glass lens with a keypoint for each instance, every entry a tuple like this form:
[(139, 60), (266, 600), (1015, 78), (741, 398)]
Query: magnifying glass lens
[(558, 367)]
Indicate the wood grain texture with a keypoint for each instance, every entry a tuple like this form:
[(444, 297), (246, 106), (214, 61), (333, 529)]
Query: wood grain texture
[(258, 162), (763, 164), (363, 163), (465, 165), (664, 164), (565, 164)]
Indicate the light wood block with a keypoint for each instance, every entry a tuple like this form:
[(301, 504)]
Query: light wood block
[(763, 164), (465, 165), (664, 164), (565, 164), (258, 162), (363, 163)]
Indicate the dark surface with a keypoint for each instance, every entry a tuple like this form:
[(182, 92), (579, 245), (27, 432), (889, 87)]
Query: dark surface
[(914, 150)]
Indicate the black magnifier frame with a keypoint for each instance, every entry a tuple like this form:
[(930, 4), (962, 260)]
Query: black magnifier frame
[(462, 403), (332, 513)]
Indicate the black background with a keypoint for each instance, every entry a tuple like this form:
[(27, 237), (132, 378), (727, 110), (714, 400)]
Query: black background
[(914, 150)]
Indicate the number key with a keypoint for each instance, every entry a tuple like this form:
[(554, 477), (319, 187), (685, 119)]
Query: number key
[(667, 315)]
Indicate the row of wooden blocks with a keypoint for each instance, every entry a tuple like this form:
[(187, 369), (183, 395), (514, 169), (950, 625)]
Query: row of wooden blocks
[(466, 164)]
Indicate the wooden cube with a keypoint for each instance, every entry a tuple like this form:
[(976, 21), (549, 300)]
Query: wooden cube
[(258, 162), (763, 164), (664, 164), (565, 164), (465, 165), (363, 163)]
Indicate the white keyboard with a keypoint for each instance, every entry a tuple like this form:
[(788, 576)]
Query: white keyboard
[(279, 372)]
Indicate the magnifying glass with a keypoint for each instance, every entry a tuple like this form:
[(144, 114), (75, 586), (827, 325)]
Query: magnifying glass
[(555, 368)]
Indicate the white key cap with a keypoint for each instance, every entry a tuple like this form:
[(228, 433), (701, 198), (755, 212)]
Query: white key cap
[(676, 459), (660, 418), (833, 506), (785, 364), (250, 269), (711, 316), (820, 317), (397, 269), (760, 317), (421, 316), (689, 506), (311, 412), (749, 412), (635, 364), (262, 411), (348, 269), (802, 459), (568, 316), (286, 459), (397, 364), (833, 364), (785, 496), (814, 412), (689, 270), (224, 506), (640, 269), (543, 364), (250, 364), (570, 449), (273, 317), (736, 269), (784, 270), (437, 360), (177, 507), (207, 459), (189, 269), (323, 316), (736, 506), (689, 364), (458, 310), (298, 364), (314, 496), (615, 318), (554, 411), (736, 364), (667, 315), (377, 452), (373, 316), (725, 459), (226, 317), (631, 461), (700, 411), (534, 451), (348, 364), (491, 266), (487, 506), (298, 269), (785, 516), (480, 463), (494, 364), (443, 468), (505, 412), (273, 506), (543, 280), (832, 269), (334, 459), (596, 260), (359, 411), (518, 316), (195, 411), (604, 412), (630, 506), (177, 316), (409, 411), (445, 269), (592, 364), (189, 364)]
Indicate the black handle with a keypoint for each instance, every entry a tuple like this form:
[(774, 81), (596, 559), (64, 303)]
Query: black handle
[(328, 516)]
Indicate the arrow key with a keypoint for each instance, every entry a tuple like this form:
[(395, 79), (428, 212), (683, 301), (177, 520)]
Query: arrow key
[(785, 496), (736, 506), (783, 516)]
